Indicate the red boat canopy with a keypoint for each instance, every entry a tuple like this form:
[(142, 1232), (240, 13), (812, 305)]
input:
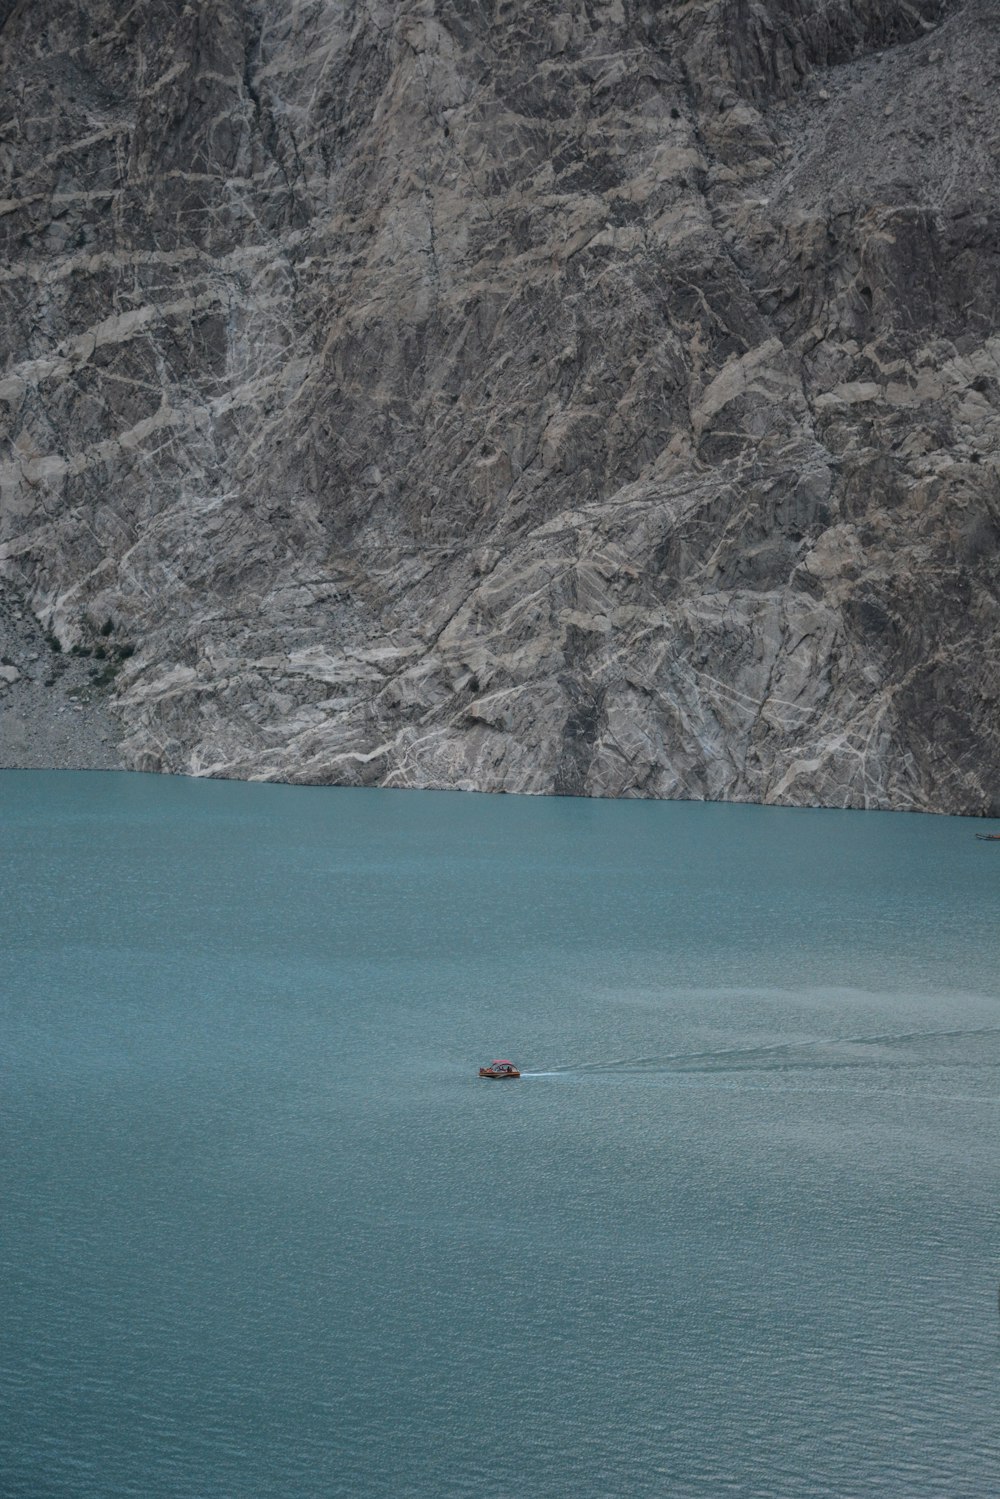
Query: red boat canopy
[(502, 1063)]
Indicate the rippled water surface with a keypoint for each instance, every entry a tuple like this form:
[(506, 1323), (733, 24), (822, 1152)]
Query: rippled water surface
[(266, 1233)]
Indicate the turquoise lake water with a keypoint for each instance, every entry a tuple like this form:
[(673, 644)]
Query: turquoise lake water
[(265, 1233)]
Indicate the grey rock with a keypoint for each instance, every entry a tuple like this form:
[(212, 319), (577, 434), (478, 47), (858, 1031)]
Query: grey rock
[(545, 399), (34, 699)]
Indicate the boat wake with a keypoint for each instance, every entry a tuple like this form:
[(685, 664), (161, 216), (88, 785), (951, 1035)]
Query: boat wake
[(895, 1049)]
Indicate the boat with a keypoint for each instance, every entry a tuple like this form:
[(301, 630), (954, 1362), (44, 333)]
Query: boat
[(499, 1069), (988, 837)]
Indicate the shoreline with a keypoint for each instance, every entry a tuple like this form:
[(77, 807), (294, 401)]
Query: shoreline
[(54, 713)]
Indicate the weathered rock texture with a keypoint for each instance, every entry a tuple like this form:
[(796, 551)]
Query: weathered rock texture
[(53, 707), (598, 397)]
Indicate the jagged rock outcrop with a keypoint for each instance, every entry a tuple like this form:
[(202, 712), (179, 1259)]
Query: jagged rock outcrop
[(593, 399)]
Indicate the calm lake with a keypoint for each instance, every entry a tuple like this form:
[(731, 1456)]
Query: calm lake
[(265, 1233)]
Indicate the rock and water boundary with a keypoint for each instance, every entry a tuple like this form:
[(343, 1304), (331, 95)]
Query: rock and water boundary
[(594, 400)]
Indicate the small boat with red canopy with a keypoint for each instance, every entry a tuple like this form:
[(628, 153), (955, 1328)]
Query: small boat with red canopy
[(499, 1069)]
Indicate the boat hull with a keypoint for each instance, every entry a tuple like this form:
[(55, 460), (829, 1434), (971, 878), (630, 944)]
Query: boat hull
[(498, 1077)]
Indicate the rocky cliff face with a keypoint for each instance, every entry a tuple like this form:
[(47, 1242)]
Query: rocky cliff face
[(598, 398)]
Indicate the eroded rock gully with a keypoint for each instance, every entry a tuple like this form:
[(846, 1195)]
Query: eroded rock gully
[(597, 398)]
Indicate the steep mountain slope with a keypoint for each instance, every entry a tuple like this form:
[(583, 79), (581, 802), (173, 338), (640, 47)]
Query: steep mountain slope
[(599, 398)]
